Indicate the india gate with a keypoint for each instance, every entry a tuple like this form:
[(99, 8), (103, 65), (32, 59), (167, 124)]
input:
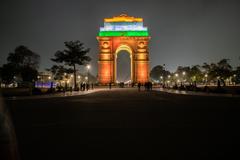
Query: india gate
[(123, 33)]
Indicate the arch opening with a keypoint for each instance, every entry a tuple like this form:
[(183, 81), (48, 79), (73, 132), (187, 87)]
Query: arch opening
[(123, 67), (123, 64)]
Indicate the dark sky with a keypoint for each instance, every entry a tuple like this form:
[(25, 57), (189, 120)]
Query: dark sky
[(184, 32)]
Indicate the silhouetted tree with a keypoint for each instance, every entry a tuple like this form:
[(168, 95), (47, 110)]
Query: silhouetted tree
[(22, 57), (58, 72), (74, 54), (221, 70), (28, 74), (8, 71), (196, 73), (237, 75), (23, 62), (224, 69), (159, 71), (187, 71)]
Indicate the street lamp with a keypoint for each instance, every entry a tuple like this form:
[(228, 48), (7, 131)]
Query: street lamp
[(176, 74), (169, 76), (161, 77), (206, 76), (88, 68), (234, 78), (183, 79), (79, 78)]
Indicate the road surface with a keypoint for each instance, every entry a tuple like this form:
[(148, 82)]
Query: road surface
[(127, 124)]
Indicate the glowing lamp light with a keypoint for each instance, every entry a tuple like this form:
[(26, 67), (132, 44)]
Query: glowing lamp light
[(88, 67)]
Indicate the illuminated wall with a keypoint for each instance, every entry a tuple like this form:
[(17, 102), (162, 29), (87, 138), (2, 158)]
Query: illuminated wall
[(123, 33)]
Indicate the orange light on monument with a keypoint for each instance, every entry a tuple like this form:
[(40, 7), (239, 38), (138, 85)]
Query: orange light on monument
[(105, 73)]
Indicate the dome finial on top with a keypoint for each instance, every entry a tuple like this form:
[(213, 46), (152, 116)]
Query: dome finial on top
[(123, 15)]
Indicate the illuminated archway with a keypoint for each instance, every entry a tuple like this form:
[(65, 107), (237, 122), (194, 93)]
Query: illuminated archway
[(123, 33), (126, 48)]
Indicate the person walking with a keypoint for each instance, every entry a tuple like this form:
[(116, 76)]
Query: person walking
[(110, 85), (84, 86), (88, 86), (150, 86), (92, 86), (139, 86)]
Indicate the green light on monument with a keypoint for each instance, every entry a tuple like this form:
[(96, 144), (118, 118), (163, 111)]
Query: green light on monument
[(123, 33)]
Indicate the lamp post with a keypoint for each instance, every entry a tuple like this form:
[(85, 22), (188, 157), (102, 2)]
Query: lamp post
[(161, 77), (184, 74), (206, 77), (79, 78), (235, 79), (169, 78), (72, 80), (161, 80), (88, 68), (65, 81), (176, 75), (50, 79)]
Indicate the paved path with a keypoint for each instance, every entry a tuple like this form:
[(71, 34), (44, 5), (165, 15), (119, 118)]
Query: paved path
[(56, 95), (173, 91), (127, 124)]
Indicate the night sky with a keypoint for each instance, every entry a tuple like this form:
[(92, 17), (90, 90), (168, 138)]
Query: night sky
[(184, 32)]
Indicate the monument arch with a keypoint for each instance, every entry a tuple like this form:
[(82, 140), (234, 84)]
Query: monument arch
[(123, 33)]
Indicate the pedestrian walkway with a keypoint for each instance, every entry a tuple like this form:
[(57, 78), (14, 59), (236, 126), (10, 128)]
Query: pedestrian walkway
[(57, 95), (173, 91)]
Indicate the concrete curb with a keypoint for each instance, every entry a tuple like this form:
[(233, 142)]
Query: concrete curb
[(59, 95), (172, 91)]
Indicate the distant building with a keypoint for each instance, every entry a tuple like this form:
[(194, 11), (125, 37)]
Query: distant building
[(45, 80)]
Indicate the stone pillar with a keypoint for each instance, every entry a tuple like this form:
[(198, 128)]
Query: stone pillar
[(106, 61), (142, 62)]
